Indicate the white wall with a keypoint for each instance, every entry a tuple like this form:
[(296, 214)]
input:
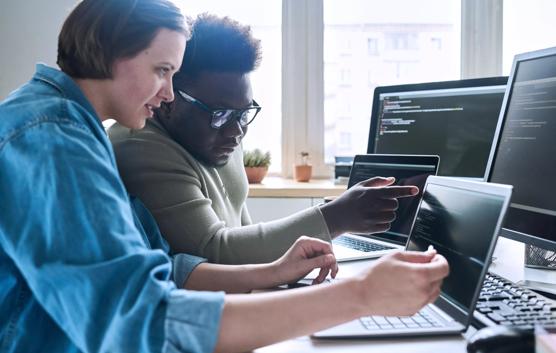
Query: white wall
[(28, 34)]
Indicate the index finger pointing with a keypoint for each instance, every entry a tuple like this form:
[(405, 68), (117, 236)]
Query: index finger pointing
[(391, 192)]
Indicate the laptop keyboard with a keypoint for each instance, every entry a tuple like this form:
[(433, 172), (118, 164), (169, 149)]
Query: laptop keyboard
[(357, 244), (508, 304), (419, 320)]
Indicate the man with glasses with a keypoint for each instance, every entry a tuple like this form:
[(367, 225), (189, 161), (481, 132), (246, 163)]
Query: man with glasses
[(220, 117), (186, 165)]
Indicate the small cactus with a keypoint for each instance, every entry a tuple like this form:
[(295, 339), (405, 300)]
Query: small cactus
[(304, 158), (256, 158)]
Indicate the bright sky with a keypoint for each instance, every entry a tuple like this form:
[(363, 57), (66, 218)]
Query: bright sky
[(528, 25), (391, 11), (251, 12), (268, 12)]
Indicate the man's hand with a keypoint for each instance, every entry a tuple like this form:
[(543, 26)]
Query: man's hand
[(401, 283), (368, 207), (305, 255)]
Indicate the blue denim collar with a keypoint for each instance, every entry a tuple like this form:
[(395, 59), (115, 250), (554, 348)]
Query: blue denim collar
[(66, 86)]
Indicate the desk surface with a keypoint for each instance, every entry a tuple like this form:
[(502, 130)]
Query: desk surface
[(508, 263), (454, 344), (281, 187)]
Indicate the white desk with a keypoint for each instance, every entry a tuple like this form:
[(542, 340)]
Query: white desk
[(508, 264)]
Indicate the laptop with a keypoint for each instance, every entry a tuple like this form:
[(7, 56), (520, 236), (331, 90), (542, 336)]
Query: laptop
[(408, 170), (461, 219)]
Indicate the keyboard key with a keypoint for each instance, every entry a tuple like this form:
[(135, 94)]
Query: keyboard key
[(394, 320), (381, 320), (495, 317), (498, 297)]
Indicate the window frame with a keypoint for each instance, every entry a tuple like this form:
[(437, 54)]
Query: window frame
[(303, 71)]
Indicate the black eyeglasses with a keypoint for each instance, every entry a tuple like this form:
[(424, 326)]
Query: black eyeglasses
[(221, 117)]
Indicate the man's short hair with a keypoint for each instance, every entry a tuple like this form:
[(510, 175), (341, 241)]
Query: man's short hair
[(97, 32), (219, 44)]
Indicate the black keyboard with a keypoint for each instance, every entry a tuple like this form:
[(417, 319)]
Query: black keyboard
[(502, 302), (357, 244)]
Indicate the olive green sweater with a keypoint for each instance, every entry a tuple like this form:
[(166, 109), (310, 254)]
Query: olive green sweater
[(201, 210)]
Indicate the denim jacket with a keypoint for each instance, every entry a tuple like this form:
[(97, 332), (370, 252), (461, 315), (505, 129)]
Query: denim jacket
[(83, 267)]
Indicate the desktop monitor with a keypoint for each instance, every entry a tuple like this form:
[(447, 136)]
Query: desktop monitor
[(524, 149), (455, 120)]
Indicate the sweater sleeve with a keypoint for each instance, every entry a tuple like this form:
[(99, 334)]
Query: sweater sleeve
[(245, 216), (173, 190)]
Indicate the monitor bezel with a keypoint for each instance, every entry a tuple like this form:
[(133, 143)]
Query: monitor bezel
[(467, 83), (505, 232)]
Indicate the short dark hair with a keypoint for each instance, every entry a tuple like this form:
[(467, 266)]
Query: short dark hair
[(219, 44), (97, 32)]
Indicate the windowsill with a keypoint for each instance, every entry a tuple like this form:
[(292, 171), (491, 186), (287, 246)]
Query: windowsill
[(282, 187)]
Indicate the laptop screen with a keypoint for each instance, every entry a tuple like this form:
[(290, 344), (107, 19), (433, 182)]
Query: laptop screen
[(461, 225), (408, 170)]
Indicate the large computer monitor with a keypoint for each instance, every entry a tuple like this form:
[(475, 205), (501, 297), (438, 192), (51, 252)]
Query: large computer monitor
[(455, 120), (524, 151)]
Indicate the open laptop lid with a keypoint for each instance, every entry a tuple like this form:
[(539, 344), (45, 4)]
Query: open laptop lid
[(408, 170), (461, 219)]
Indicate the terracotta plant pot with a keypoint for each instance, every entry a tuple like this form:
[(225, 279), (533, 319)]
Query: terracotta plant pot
[(303, 172), (255, 174)]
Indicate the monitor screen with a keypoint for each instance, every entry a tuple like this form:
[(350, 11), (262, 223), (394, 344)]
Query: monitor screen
[(525, 153), (455, 120), (408, 170), (443, 220)]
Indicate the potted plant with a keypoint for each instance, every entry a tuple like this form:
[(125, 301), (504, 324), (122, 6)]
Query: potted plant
[(303, 171), (256, 165)]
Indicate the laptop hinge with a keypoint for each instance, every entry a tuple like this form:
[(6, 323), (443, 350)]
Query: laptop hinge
[(441, 313)]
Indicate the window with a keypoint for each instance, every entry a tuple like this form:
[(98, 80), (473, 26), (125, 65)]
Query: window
[(332, 54), (372, 46), (345, 140), (528, 25), (265, 19), (345, 77), (436, 43), (401, 40), (421, 42)]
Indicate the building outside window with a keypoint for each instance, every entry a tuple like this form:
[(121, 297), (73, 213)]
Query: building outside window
[(406, 29), (372, 46), (367, 44)]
